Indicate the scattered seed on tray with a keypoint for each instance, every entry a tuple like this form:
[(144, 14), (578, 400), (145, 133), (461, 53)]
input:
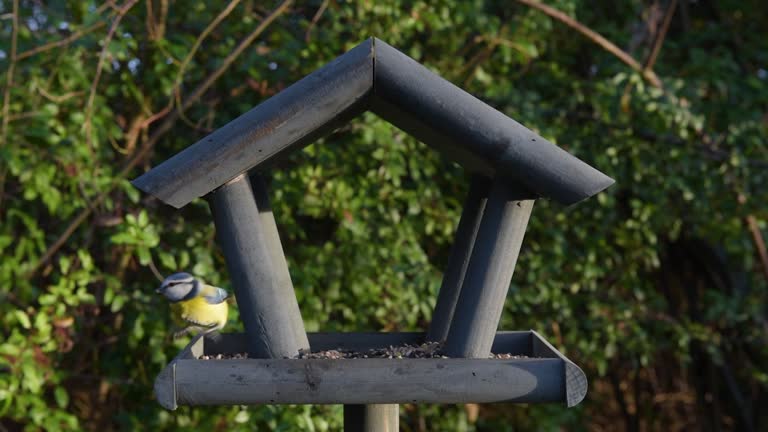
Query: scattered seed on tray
[(235, 356), (427, 350)]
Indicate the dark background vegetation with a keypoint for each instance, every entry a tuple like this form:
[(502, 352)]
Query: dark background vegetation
[(656, 287)]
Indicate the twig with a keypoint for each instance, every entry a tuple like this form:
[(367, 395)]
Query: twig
[(99, 66), (150, 20), (164, 127), (757, 237), (315, 19), (661, 34), (161, 22), (176, 91), (472, 65), (597, 38), (63, 42), (647, 72), (650, 60), (154, 269), (59, 99), (180, 74), (7, 93)]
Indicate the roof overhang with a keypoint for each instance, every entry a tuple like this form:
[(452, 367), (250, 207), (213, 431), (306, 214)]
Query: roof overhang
[(375, 76)]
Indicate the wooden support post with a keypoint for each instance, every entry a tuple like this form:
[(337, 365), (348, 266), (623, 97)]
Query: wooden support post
[(490, 269), (265, 301), (464, 241), (371, 418), (273, 244)]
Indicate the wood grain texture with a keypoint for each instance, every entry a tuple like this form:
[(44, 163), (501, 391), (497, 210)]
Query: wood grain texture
[(265, 298), (490, 270), (368, 381), (458, 261), (372, 418), (275, 247)]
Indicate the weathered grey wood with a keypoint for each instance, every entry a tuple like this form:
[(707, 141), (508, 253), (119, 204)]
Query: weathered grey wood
[(293, 118), (275, 247), (491, 265), (455, 271), (372, 418), (400, 90), (368, 381), (510, 342), (266, 303), (386, 381), (474, 134), (576, 385), (165, 383)]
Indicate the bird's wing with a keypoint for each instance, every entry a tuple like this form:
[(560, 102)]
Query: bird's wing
[(214, 295)]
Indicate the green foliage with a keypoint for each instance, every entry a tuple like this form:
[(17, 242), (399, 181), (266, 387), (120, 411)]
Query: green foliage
[(643, 286)]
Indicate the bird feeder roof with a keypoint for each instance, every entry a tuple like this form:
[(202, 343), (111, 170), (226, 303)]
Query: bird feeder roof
[(377, 77)]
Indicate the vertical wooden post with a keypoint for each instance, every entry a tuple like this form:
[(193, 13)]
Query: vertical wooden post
[(456, 270), (490, 269), (265, 301), (371, 418), (273, 245)]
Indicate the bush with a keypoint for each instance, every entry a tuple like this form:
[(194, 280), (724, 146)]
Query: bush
[(654, 287)]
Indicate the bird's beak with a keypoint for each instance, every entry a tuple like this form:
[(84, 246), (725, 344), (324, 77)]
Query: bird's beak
[(159, 290)]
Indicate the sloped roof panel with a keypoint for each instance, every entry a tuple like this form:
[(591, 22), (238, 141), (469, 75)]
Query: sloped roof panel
[(377, 76), (295, 117), (473, 133)]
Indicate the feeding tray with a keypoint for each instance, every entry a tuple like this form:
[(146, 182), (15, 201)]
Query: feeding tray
[(539, 374)]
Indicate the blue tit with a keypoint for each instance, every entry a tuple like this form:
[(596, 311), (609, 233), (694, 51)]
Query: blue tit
[(197, 306)]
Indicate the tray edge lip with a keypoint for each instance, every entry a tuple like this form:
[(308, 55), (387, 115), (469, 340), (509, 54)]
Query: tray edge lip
[(576, 384), (574, 379)]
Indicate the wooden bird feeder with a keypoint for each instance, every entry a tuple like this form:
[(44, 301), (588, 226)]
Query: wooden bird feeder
[(511, 166)]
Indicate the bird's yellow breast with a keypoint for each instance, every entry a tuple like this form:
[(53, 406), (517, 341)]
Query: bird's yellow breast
[(199, 311)]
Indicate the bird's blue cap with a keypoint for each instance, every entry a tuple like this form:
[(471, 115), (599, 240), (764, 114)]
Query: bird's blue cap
[(181, 277)]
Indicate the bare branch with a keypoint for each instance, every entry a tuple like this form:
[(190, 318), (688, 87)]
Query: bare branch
[(315, 19), (59, 99), (164, 127), (650, 61), (92, 96), (7, 92), (757, 236), (180, 75), (597, 38), (660, 36), (60, 43), (757, 239)]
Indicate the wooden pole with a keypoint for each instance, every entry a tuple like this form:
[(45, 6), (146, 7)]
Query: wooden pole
[(489, 272), (456, 270), (273, 245), (371, 418), (267, 304)]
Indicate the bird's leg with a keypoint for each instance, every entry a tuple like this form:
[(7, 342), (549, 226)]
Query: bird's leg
[(186, 330), (205, 329), (180, 333), (213, 328)]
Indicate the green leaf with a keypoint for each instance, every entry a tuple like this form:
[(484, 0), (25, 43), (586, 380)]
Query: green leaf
[(61, 396), (23, 319)]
